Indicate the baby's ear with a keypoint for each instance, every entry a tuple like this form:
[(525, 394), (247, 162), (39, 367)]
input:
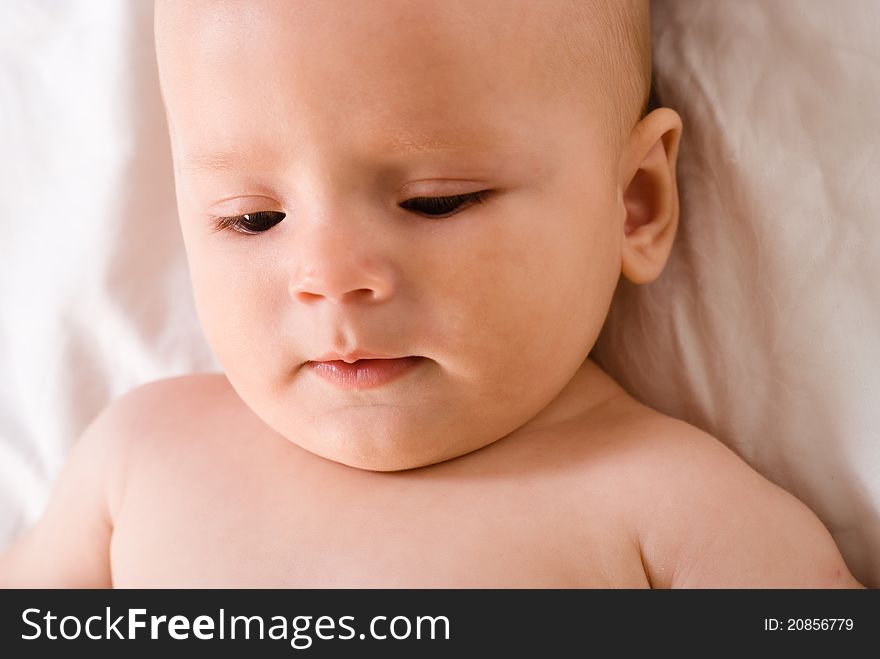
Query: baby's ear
[(650, 195)]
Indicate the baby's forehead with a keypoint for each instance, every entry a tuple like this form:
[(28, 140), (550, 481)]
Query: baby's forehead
[(384, 18), (417, 63), (498, 37)]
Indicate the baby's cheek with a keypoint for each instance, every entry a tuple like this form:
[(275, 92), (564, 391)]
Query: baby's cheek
[(235, 312), (515, 336)]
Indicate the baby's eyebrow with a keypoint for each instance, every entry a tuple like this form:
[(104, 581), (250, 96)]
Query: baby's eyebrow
[(224, 160), (211, 161)]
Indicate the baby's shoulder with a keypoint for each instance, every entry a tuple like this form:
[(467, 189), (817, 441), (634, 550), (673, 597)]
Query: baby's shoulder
[(150, 415), (663, 452), (705, 518), (173, 397), (655, 451), (170, 403)]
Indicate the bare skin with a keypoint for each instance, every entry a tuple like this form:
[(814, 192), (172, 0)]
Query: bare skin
[(510, 459), (614, 495)]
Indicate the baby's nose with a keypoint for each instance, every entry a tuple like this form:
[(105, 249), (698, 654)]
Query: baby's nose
[(348, 269), (340, 282)]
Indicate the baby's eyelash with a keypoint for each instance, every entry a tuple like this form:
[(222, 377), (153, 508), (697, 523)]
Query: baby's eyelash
[(445, 205), (261, 221), (250, 223)]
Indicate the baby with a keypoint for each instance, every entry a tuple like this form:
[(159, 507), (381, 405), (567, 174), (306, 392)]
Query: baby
[(405, 221)]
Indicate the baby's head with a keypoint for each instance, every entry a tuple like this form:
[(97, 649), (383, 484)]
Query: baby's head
[(322, 126)]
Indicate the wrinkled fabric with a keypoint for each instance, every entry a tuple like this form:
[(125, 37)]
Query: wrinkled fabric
[(764, 329), (94, 288)]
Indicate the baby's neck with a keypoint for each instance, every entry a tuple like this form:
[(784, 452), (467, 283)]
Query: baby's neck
[(588, 389)]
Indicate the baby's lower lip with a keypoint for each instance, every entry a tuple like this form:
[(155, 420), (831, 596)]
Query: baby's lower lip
[(364, 373)]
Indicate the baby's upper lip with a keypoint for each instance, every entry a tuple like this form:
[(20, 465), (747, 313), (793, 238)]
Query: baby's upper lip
[(354, 355)]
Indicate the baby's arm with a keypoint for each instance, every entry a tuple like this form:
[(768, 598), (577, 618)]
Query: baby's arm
[(69, 547), (717, 523)]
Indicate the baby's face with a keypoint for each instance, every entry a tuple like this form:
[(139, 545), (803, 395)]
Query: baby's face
[(338, 117)]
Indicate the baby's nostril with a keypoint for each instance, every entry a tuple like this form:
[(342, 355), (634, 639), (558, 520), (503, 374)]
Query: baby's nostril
[(305, 296)]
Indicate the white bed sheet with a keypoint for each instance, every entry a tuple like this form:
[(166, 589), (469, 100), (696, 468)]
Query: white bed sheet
[(94, 292), (765, 328)]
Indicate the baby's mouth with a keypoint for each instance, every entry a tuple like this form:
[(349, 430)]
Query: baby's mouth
[(364, 373)]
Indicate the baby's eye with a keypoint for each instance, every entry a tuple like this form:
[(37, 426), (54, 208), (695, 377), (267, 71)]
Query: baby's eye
[(249, 223), (443, 206), (261, 221)]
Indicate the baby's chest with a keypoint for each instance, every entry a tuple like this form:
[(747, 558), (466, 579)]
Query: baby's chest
[(240, 528)]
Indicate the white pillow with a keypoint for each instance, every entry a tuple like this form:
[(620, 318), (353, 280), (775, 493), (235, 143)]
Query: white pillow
[(93, 278), (765, 328)]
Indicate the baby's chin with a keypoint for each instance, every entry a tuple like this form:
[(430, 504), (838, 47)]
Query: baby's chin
[(379, 460), (379, 448), (402, 429)]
